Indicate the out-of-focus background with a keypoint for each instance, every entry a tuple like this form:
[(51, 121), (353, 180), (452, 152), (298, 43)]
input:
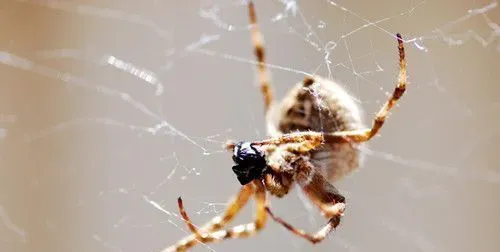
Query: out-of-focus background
[(110, 110)]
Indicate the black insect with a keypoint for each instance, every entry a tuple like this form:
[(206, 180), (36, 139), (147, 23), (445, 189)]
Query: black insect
[(250, 162)]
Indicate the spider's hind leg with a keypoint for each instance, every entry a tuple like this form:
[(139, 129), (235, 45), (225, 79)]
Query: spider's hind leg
[(366, 134), (259, 51)]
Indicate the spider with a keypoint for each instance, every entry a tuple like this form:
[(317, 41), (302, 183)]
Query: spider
[(310, 144)]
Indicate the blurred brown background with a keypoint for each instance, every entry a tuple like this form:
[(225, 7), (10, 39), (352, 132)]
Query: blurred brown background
[(93, 153)]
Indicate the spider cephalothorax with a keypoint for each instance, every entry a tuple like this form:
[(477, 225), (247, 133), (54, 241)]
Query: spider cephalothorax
[(250, 162), (314, 134)]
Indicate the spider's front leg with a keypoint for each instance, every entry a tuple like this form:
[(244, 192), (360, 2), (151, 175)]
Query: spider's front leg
[(212, 232), (219, 222), (216, 223)]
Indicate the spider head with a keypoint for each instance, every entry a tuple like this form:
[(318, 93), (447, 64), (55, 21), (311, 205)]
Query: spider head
[(250, 162)]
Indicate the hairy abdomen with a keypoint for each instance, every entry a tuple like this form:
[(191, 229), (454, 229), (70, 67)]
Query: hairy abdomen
[(323, 106)]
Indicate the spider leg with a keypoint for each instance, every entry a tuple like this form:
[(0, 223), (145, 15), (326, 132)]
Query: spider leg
[(313, 139), (235, 205), (212, 232), (324, 195), (321, 192), (305, 141), (185, 217), (216, 223), (258, 44), (314, 238), (248, 229), (366, 134)]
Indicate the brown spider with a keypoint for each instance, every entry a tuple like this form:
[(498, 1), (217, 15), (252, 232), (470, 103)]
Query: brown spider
[(311, 144)]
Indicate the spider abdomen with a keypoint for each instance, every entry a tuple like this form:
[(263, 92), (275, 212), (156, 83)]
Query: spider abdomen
[(320, 105)]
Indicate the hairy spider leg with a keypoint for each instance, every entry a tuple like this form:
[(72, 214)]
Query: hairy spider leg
[(259, 51), (314, 238), (353, 136), (216, 234), (364, 135), (323, 194)]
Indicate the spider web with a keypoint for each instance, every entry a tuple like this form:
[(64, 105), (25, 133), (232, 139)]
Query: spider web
[(110, 110)]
